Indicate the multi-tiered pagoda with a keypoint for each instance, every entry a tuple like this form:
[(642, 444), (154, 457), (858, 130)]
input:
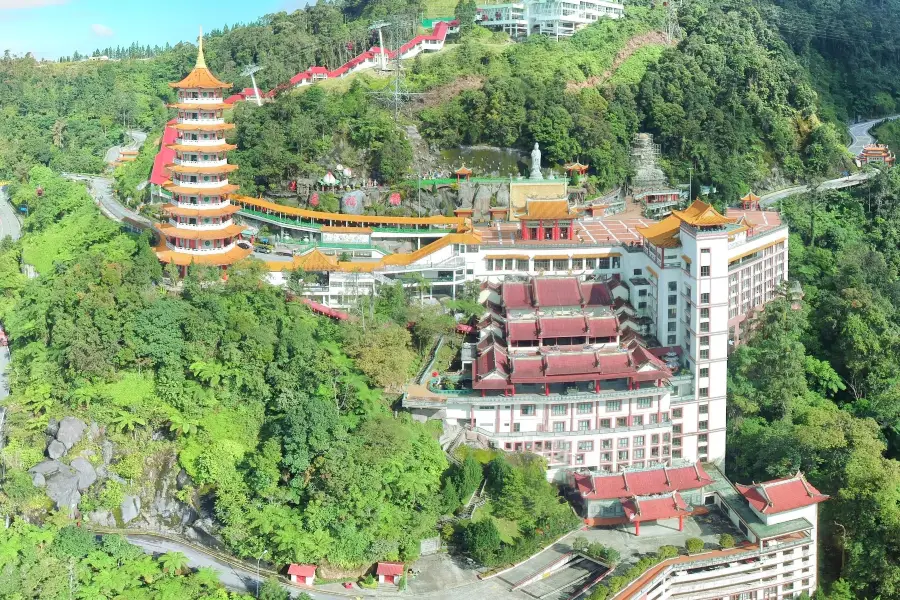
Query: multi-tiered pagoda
[(200, 228)]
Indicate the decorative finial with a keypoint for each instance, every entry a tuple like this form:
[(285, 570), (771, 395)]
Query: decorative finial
[(201, 60)]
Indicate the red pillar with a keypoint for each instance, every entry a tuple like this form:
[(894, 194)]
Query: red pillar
[(596, 386), (482, 393), (680, 522), (546, 389), (540, 231), (572, 230), (637, 528), (555, 230), (524, 231)]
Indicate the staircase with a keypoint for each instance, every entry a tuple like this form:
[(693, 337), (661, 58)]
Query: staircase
[(478, 499), (455, 443)]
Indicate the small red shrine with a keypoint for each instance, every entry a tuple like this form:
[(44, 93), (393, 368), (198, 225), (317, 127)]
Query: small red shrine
[(547, 220), (876, 153), (750, 201)]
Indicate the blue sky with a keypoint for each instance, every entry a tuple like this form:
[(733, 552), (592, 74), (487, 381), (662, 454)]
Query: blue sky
[(53, 28)]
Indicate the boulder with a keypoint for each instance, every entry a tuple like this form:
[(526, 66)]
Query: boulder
[(52, 427), (481, 203), (182, 480), (106, 449), (86, 473), (38, 480), (101, 517), (70, 431), (60, 483), (131, 508), (56, 449), (94, 430)]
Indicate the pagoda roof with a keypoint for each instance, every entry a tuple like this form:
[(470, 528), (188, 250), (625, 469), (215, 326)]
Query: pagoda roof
[(648, 482), (576, 166), (200, 77), (652, 508), (203, 126), (750, 197), (302, 570), (463, 171), (221, 190), (176, 168), (192, 233), (662, 234), (781, 495), (316, 261), (182, 259), (184, 211), (181, 145), (538, 210), (701, 214)]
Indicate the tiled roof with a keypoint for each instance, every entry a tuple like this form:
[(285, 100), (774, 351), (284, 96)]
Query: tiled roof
[(556, 292), (216, 170), (192, 233), (517, 295), (651, 508), (302, 570), (316, 261), (165, 155), (389, 569), (203, 126), (184, 211), (781, 495), (536, 210), (215, 259), (596, 293), (200, 77), (659, 480), (662, 234), (701, 214)]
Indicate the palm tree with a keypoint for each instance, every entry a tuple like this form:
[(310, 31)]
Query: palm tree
[(173, 563), (127, 421), (209, 372), (144, 568)]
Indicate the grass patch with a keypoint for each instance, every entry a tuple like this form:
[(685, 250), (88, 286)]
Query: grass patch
[(509, 530), (632, 70)]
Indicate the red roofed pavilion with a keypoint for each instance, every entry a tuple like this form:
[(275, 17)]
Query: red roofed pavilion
[(302, 574), (653, 508), (389, 572), (781, 495)]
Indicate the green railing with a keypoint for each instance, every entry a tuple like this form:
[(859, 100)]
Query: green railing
[(314, 225), (426, 230)]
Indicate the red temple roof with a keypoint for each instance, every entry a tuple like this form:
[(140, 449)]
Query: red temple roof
[(165, 156), (389, 569), (781, 495), (302, 570), (651, 508), (557, 292), (661, 480)]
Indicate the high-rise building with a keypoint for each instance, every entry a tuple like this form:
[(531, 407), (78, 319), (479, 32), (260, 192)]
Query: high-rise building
[(200, 228)]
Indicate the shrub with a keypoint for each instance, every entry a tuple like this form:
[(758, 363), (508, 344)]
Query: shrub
[(368, 582), (75, 542), (580, 544), (633, 573), (694, 545), (666, 552), (601, 592), (483, 541), (617, 583), (726, 540)]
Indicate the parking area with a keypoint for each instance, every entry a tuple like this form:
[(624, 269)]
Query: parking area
[(563, 583)]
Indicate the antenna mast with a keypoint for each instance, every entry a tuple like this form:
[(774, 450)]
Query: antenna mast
[(251, 70)]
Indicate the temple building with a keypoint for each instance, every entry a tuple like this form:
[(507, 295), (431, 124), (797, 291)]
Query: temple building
[(874, 154), (200, 228), (550, 220)]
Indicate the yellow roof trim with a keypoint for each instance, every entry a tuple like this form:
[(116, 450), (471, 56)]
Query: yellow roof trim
[(652, 272), (760, 249), (686, 258), (701, 214)]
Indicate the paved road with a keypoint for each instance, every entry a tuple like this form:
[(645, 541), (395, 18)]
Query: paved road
[(231, 577), (101, 189), (860, 138), (137, 139), (9, 222)]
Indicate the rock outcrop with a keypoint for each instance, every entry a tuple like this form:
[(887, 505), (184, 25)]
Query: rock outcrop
[(71, 430), (60, 483)]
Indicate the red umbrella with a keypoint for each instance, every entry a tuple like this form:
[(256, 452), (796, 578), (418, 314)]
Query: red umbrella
[(314, 200)]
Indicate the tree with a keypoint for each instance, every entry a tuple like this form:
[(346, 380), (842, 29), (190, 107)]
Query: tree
[(271, 590), (465, 13), (126, 421), (483, 540), (383, 353), (74, 542)]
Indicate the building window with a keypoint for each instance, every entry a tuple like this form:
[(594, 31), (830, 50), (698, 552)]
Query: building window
[(560, 265), (704, 313), (613, 405), (676, 453), (606, 444), (704, 271), (654, 439), (584, 407), (704, 371), (579, 459), (623, 455), (621, 421), (676, 428), (644, 402), (638, 272), (642, 305), (642, 293), (489, 264), (704, 354), (606, 456), (585, 446), (704, 341), (704, 392), (672, 340), (637, 420), (673, 325), (623, 442), (559, 426), (558, 410), (673, 313), (704, 327), (584, 425), (676, 441), (703, 425), (527, 410), (704, 409), (702, 437), (541, 265), (517, 427), (704, 298), (605, 423), (638, 440), (673, 300), (677, 413), (639, 453), (673, 286)]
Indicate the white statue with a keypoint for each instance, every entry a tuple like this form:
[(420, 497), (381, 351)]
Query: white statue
[(536, 163)]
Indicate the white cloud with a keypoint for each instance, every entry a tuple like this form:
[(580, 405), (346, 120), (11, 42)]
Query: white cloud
[(11, 4), (100, 30)]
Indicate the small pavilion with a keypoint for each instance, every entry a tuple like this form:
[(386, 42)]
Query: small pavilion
[(750, 201), (547, 220), (463, 172), (576, 167), (876, 153)]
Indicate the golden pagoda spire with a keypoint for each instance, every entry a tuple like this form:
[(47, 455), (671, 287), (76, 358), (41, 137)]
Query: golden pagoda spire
[(201, 60)]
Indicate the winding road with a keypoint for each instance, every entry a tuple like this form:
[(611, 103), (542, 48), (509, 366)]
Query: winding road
[(860, 138)]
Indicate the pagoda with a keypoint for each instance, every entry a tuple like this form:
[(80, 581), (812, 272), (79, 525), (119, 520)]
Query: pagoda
[(200, 228)]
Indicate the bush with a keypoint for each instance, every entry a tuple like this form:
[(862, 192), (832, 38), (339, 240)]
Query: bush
[(75, 542), (483, 541), (666, 552), (694, 545), (580, 544), (601, 592), (368, 582), (726, 540), (617, 583)]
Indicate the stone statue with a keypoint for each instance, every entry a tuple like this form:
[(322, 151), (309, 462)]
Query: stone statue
[(536, 163)]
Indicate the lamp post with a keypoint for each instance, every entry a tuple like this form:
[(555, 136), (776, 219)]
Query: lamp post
[(258, 559)]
